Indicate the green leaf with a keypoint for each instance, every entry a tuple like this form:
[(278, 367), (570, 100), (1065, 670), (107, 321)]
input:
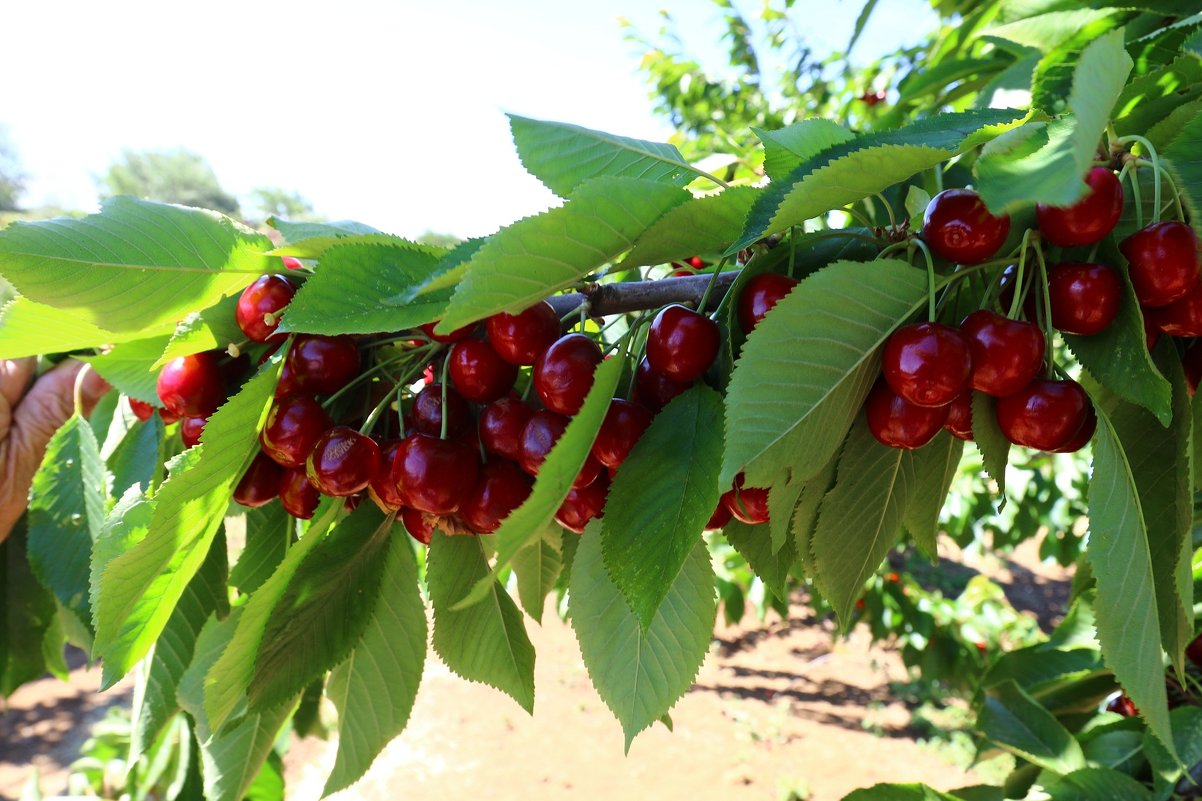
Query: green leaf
[(537, 567), (564, 156), (990, 441), (861, 21), (899, 792), (1184, 158), (485, 642), (934, 468), (374, 688), (325, 609), (447, 273), (755, 545), (788, 148), (124, 526), (640, 674), (129, 367), (213, 328), (309, 240), (661, 498), (1046, 32), (783, 497), (28, 328), (1016, 722), (66, 511), (139, 589), (27, 615), (805, 516), (540, 255), (268, 534), (702, 225), (133, 266), (132, 449), (791, 407), (1187, 737), (1096, 784)]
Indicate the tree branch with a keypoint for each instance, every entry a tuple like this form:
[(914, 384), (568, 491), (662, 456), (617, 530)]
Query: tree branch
[(604, 299)]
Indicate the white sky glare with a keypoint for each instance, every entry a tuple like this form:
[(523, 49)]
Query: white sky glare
[(392, 114)]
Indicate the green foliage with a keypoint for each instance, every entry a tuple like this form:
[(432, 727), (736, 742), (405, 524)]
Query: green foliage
[(172, 176), (27, 619), (1013, 720)]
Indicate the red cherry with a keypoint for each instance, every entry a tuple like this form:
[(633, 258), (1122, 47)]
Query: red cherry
[(322, 365), (521, 338), (291, 263), (501, 426), (343, 462), (747, 504), (563, 375), (479, 373), (1084, 433), (458, 335), (293, 427), (298, 497), (959, 417), (1088, 220), (434, 475), (1006, 354), (1163, 262), (1193, 651), (235, 372), (583, 504), (696, 262), (427, 413), (720, 517), (190, 429), (959, 228), (682, 344), (192, 385), (168, 417), (268, 295), (624, 423), (538, 438), (1151, 332), (928, 364), (896, 422), (1182, 317), (381, 483), (418, 524), (142, 410), (1085, 297), (501, 488), (260, 483), (761, 294), (1045, 414), (654, 390), (1122, 705)]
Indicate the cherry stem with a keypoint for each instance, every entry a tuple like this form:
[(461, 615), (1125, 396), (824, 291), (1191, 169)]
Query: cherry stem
[(1156, 168), (858, 216), (370, 422), (446, 362), (1135, 193), (1017, 301), (368, 373), (709, 288), (888, 209), (792, 248), (1047, 306), (926, 254), (77, 390), (1168, 177)]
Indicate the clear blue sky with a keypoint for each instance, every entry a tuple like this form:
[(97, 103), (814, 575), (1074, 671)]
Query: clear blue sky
[(389, 113)]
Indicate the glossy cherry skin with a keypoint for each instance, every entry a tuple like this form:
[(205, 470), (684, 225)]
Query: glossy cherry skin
[(563, 375), (142, 410), (293, 426), (896, 422), (458, 335), (1122, 705), (190, 429), (323, 365), (583, 504), (192, 386), (928, 364), (343, 462), (291, 263), (1182, 317), (720, 517), (958, 227), (682, 344), (1088, 220), (654, 390), (1084, 434), (434, 475), (426, 416), (501, 488), (538, 438), (298, 497), (1085, 298), (418, 524), (746, 504), (479, 373), (761, 294), (260, 483), (1045, 414), (1163, 262), (501, 425), (382, 486), (1006, 354), (521, 338), (268, 295), (959, 417), (624, 423)]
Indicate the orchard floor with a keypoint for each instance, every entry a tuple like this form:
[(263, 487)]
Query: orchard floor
[(776, 708)]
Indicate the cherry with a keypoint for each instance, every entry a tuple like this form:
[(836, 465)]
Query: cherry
[(235, 372), (343, 462), (1088, 220), (896, 422), (1151, 332), (719, 518), (928, 364), (521, 338), (1085, 298), (1182, 317), (141, 409), (381, 484), (682, 344), (293, 426), (191, 385), (501, 426), (1006, 354), (1193, 651), (1045, 414), (959, 228), (563, 375), (538, 438), (501, 488), (1084, 433), (427, 413), (298, 497), (1122, 705), (761, 294), (479, 373), (419, 525), (322, 365), (260, 483), (696, 262), (265, 298), (190, 429), (168, 417), (654, 390), (959, 417), (434, 475), (1163, 261), (746, 504), (291, 263), (458, 335), (582, 504), (624, 423)]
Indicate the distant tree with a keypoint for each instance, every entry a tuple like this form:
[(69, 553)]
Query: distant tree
[(271, 201), (439, 240), (12, 180), (173, 176)]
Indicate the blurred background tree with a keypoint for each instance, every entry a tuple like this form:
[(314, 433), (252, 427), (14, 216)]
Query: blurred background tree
[(12, 179), (172, 176)]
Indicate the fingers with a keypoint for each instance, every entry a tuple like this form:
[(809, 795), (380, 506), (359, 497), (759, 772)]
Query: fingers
[(14, 378), (51, 401)]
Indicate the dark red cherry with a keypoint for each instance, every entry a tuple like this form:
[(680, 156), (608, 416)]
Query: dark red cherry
[(896, 422), (1084, 433), (1085, 298), (501, 488), (501, 425), (1193, 651), (1182, 317), (1122, 705), (298, 497), (1163, 262), (293, 427), (583, 504), (141, 409), (563, 375), (479, 373), (1151, 332), (427, 413), (1088, 220), (654, 390), (696, 262), (521, 338), (959, 417), (1045, 414), (382, 485), (682, 344), (235, 372), (190, 429), (458, 335), (323, 365), (538, 438), (624, 423), (291, 263), (928, 364), (261, 301), (260, 483), (958, 227), (746, 504), (419, 525), (343, 462), (168, 417), (1006, 354), (720, 517), (434, 475), (192, 385), (760, 295)]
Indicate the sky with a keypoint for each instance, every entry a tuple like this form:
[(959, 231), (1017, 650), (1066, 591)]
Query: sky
[(389, 113)]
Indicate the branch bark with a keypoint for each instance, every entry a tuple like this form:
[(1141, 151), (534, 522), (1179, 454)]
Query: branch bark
[(604, 299)]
